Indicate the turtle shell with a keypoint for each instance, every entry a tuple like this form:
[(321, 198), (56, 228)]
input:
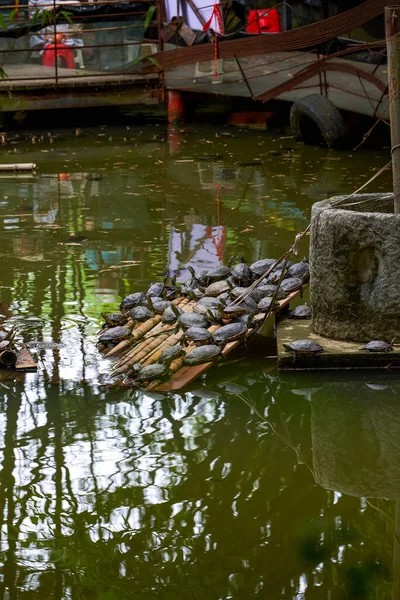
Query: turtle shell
[(218, 273), (172, 353), (155, 289), (301, 270), (217, 288), (158, 305), (208, 302), (270, 290), (169, 315), (241, 272), (152, 372), (291, 284), (238, 291), (260, 267), (304, 347), (301, 312), (202, 354), (377, 346), (141, 314), (114, 319), (190, 319), (133, 300), (230, 332), (115, 334), (265, 304), (197, 334)]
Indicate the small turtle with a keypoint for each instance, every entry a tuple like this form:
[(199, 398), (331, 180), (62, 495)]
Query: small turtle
[(171, 314), (158, 305), (190, 319), (140, 314), (197, 335), (301, 270), (241, 273), (133, 300), (171, 353), (217, 288), (257, 295), (233, 310), (379, 346), (114, 335), (195, 294), (156, 289), (208, 302), (266, 305), (202, 354), (291, 284), (198, 278), (224, 298), (218, 273), (114, 319), (260, 267), (271, 290), (150, 372), (238, 291), (304, 348), (274, 277), (229, 333), (301, 312)]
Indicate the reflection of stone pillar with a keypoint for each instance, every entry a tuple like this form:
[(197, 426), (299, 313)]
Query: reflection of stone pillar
[(355, 430)]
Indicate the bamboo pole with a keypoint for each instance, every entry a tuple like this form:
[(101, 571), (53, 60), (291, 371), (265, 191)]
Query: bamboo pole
[(392, 20), (18, 167)]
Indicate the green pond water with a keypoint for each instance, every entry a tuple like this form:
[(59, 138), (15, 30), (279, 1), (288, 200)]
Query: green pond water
[(249, 484)]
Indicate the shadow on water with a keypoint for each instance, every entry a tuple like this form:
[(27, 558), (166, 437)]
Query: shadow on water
[(246, 485)]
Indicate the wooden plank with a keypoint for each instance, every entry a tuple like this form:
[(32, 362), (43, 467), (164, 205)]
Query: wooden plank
[(338, 354), (25, 361)]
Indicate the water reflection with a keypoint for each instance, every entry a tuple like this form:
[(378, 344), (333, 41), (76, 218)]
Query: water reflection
[(240, 487)]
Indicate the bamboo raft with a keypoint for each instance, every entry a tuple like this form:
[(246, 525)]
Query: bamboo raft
[(146, 352)]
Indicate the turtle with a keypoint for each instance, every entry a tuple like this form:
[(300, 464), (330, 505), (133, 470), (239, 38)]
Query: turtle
[(171, 353), (171, 291), (190, 319), (239, 291), (301, 312), (114, 335), (260, 267), (208, 302), (171, 313), (114, 319), (202, 354), (241, 273), (218, 273), (301, 269), (291, 284), (232, 310), (140, 314), (271, 290), (133, 300), (304, 348), (199, 277), (217, 288), (224, 298), (158, 305), (266, 305), (257, 295), (197, 335), (379, 346), (156, 289), (150, 372), (275, 277), (229, 333), (195, 294)]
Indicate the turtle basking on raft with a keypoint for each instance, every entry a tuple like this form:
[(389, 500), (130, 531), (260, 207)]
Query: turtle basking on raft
[(378, 346)]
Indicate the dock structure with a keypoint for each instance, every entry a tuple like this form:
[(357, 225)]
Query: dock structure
[(338, 354)]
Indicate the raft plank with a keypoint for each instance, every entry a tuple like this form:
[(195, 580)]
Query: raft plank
[(338, 354)]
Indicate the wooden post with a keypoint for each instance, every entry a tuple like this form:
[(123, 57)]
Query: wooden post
[(392, 21), (176, 107)]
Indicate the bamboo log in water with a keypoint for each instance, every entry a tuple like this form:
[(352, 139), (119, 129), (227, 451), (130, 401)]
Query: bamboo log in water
[(139, 353), (126, 344)]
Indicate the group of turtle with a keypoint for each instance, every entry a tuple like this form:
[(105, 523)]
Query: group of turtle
[(236, 297)]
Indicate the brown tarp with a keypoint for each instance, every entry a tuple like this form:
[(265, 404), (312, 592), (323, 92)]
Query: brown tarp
[(295, 39)]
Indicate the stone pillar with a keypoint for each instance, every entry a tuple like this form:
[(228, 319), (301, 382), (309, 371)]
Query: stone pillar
[(355, 268)]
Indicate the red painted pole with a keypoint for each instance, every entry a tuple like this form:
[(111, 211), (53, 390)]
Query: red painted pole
[(176, 107)]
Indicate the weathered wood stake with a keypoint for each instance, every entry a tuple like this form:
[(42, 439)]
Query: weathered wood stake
[(392, 20)]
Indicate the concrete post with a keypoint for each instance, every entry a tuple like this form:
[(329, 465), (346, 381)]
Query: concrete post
[(392, 21)]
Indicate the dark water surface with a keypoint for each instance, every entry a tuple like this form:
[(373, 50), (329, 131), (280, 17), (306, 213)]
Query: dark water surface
[(249, 484)]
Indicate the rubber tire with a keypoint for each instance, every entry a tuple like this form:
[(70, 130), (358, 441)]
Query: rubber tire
[(326, 118)]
